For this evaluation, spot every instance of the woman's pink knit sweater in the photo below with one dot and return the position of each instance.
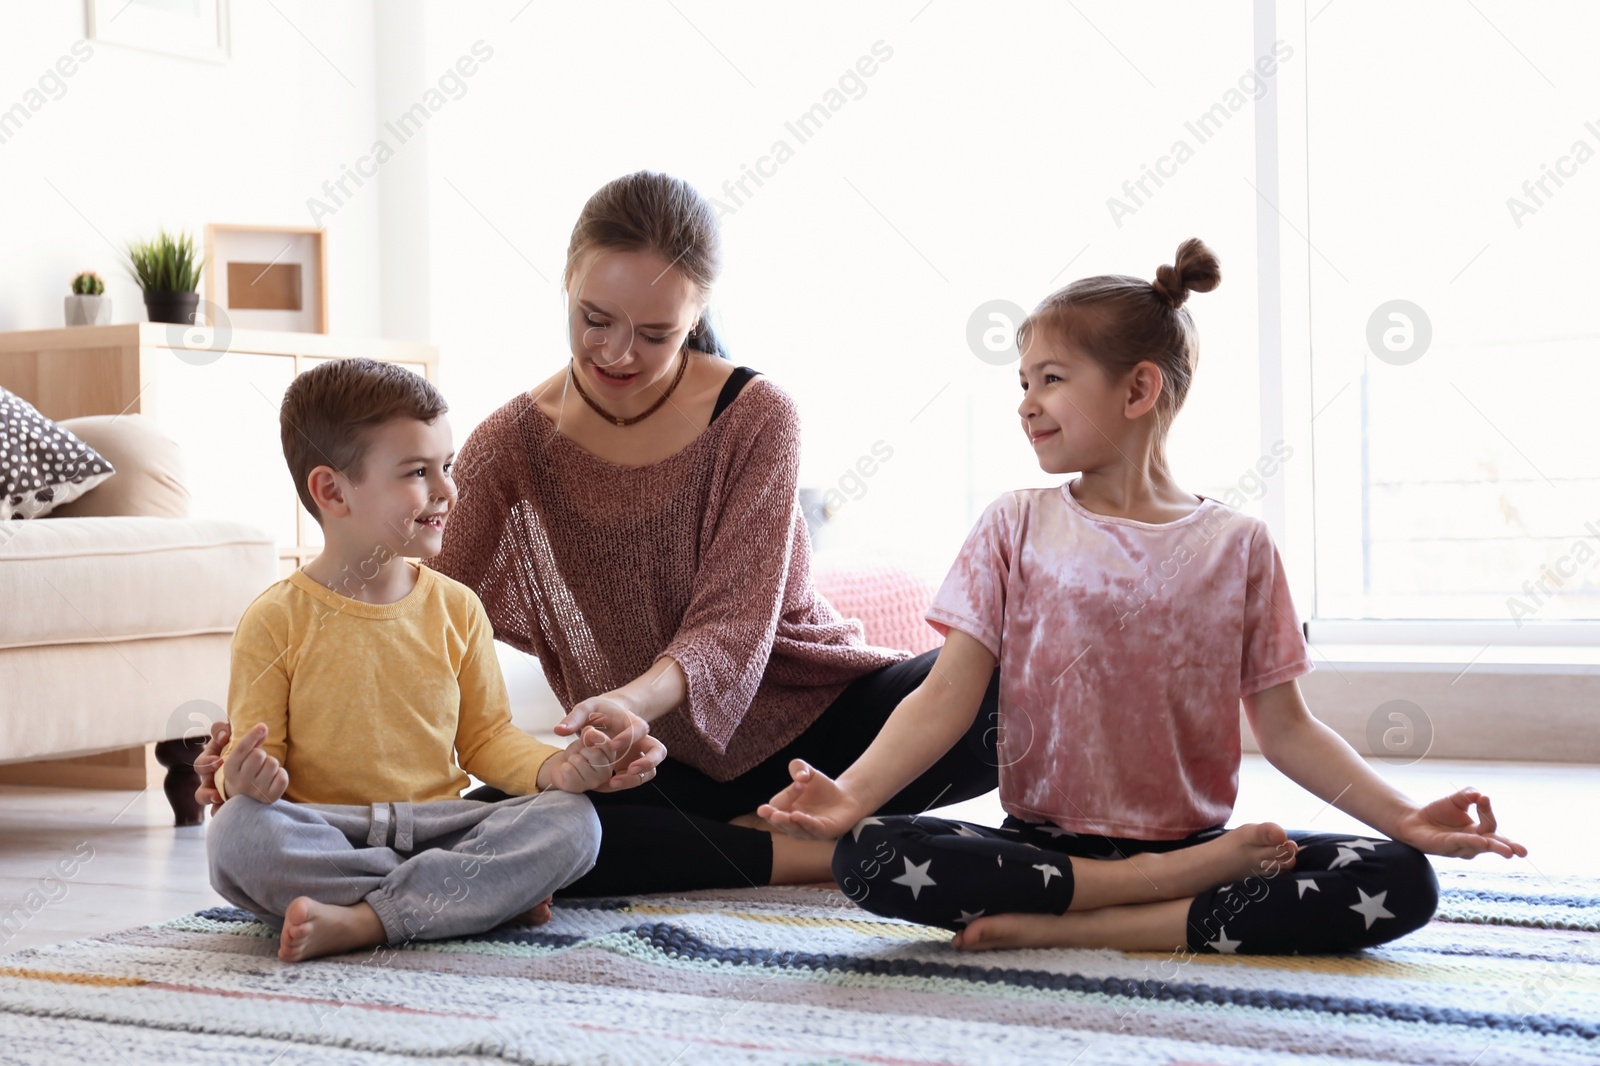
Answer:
(600, 569)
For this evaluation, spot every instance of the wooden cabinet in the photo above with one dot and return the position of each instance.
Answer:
(216, 395)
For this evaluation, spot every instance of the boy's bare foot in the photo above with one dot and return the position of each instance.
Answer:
(312, 929)
(538, 914)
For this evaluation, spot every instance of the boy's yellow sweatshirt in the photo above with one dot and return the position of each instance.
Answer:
(374, 703)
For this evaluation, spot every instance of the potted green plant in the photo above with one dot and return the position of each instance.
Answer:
(88, 305)
(168, 272)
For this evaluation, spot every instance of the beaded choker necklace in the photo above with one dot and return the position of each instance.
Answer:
(608, 416)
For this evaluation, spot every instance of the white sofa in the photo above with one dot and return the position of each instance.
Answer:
(115, 627)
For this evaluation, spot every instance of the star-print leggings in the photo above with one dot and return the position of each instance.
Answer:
(1342, 894)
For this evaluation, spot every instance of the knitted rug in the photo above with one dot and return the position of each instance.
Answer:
(1509, 972)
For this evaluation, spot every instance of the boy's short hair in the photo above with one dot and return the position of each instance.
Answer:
(329, 411)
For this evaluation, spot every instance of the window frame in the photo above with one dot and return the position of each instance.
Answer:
(1283, 231)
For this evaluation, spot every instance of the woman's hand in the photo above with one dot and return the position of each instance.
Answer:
(814, 807)
(633, 753)
(207, 763)
(1445, 827)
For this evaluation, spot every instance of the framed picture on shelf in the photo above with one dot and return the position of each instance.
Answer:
(192, 29)
(269, 277)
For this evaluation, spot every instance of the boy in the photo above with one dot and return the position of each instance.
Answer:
(358, 680)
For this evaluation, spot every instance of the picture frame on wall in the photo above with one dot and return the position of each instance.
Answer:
(268, 277)
(191, 29)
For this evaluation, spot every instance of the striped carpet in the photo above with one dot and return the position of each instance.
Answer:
(1508, 973)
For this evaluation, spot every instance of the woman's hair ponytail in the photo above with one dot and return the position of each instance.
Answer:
(705, 338)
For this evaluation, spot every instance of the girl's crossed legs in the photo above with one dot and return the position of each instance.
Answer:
(1246, 891)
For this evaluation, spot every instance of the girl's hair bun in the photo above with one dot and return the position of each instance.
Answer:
(1195, 269)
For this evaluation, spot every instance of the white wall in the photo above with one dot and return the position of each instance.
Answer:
(954, 173)
(138, 140)
(957, 172)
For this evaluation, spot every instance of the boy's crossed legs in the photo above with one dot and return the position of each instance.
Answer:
(334, 877)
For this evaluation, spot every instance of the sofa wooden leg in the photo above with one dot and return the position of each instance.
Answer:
(178, 757)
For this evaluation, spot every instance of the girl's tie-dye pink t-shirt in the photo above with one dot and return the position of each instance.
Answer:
(1124, 649)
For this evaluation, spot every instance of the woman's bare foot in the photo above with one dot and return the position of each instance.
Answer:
(1260, 849)
(1139, 927)
(794, 862)
(801, 862)
(312, 929)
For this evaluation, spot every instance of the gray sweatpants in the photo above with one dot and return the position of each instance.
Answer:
(429, 870)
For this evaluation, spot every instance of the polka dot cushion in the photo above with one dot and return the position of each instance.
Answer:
(42, 465)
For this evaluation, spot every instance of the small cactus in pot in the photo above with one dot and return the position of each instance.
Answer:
(88, 305)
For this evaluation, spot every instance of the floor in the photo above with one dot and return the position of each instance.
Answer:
(129, 866)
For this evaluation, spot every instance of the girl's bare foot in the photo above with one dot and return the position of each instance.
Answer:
(312, 929)
(1260, 849)
(1139, 927)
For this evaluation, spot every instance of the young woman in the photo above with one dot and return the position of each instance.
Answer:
(632, 521)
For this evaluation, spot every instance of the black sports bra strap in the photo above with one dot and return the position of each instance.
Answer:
(731, 389)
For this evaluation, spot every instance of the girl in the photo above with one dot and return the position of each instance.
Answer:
(1128, 618)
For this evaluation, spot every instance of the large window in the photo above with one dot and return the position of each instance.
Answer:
(1454, 205)
(1428, 358)
(883, 173)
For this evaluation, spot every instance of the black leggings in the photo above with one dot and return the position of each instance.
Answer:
(671, 834)
(1343, 893)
